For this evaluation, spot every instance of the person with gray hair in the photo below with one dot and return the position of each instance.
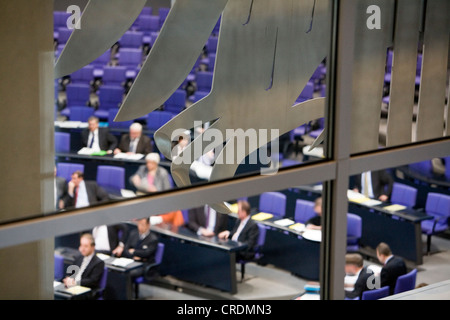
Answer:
(134, 141)
(151, 177)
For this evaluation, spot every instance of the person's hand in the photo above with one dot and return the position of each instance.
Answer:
(71, 187)
(207, 233)
(69, 282)
(383, 198)
(152, 188)
(224, 234)
(136, 180)
(117, 150)
(118, 251)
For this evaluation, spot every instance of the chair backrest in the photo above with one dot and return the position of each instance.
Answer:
(83, 75)
(162, 14)
(80, 113)
(159, 253)
(59, 267)
(60, 19)
(102, 60)
(375, 294)
(110, 96)
(304, 210)
(131, 39)
(403, 194)
(307, 92)
(261, 236)
(273, 202)
(406, 282)
(78, 94)
(114, 75)
(148, 23)
(102, 285)
(204, 80)
(354, 225)
(438, 205)
(111, 177)
(211, 45)
(421, 167)
(177, 101)
(65, 169)
(64, 34)
(62, 142)
(156, 119)
(130, 57)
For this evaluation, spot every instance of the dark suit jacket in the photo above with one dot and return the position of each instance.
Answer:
(93, 273)
(197, 219)
(144, 249)
(249, 235)
(116, 233)
(106, 140)
(360, 284)
(144, 145)
(393, 269)
(95, 194)
(382, 183)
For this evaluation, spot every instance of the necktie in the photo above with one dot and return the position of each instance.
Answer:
(82, 268)
(133, 146)
(92, 140)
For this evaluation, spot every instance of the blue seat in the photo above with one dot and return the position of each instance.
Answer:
(375, 294)
(211, 44)
(131, 58)
(114, 75)
(176, 102)
(59, 267)
(406, 282)
(258, 250)
(273, 202)
(131, 39)
(78, 94)
(102, 60)
(204, 80)
(447, 167)
(438, 206)
(162, 14)
(403, 194)
(304, 210)
(102, 285)
(354, 232)
(62, 142)
(65, 169)
(148, 24)
(109, 96)
(63, 35)
(423, 167)
(60, 19)
(211, 61)
(111, 178)
(157, 119)
(315, 133)
(80, 113)
(84, 75)
(151, 271)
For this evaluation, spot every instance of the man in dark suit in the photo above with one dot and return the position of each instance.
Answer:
(245, 230)
(110, 239)
(393, 267)
(60, 191)
(98, 138)
(83, 193)
(379, 184)
(91, 267)
(206, 221)
(354, 266)
(141, 245)
(134, 141)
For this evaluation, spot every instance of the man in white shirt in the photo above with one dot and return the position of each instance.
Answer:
(97, 138)
(84, 193)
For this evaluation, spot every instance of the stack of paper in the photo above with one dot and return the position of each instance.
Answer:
(313, 235)
(262, 216)
(395, 207)
(284, 222)
(77, 290)
(129, 156)
(300, 227)
(103, 256)
(122, 262)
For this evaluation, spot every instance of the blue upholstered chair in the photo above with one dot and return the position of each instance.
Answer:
(111, 178)
(151, 271)
(109, 96)
(62, 142)
(273, 202)
(114, 75)
(78, 94)
(102, 285)
(176, 102)
(354, 232)
(258, 250)
(157, 119)
(375, 294)
(65, 169)
(59, 267)
(406, 282)
(304, 210)
(403, 194)
(80, 113)
(131, 39)
(438, 206)
(112, 112)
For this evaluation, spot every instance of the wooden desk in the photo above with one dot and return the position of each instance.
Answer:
(206, 261)
(74, 293)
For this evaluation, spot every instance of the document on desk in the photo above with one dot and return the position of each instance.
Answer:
(122, 262)
(395, 207)
(284, 222)
(261, 216)
(127, 193)
(129, 156)
(356, 197)
(300, 227)
(372, 202)
(313, 235)
(103, 256)
(75, 290)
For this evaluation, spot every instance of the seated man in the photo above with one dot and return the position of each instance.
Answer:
(97, 138)
(354, 266)
(393, 267)
(134, 141)
(245, 230)
(91, 267)
(82, 193)
(205, 221)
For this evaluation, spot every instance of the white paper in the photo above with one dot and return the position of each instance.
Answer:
(129, 156)
(122, 262)
(284, 222)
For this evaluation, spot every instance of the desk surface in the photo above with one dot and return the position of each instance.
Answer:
(185, 234)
